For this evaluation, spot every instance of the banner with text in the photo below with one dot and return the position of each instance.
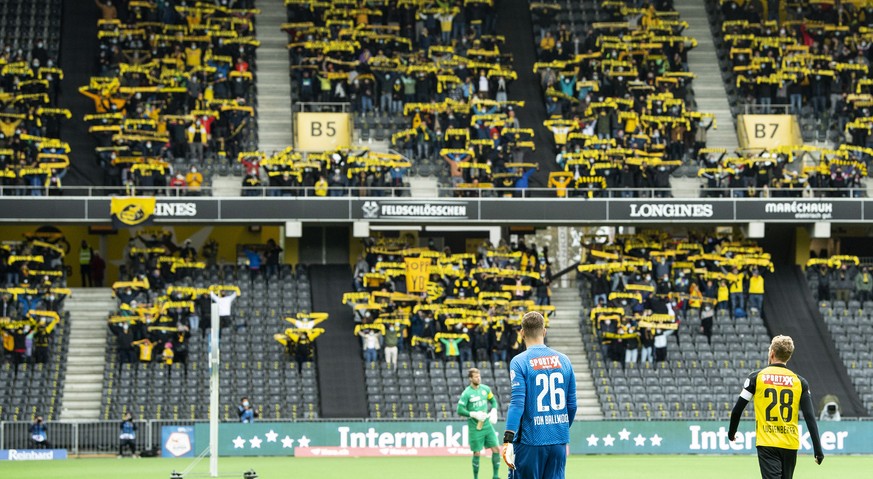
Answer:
(339, 439)
(32, 454)
(417, 274)
(355, 439)
(705, 437)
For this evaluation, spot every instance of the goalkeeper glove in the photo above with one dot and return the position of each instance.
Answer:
(492, 416)
(508, 452)
(479, 415)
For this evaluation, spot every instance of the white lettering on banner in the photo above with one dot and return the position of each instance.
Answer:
(425, 209)
(703, 440)
(385, 451)
(15, 455)
(670, 210)
(718, 440)
(176, 209)
(373, 438)
(802, 210)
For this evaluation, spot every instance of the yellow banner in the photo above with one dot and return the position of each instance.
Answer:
(132, 211)
(417, 274)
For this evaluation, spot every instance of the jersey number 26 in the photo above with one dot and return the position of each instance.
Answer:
(551, 387)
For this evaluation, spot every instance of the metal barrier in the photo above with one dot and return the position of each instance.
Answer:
(442, 192)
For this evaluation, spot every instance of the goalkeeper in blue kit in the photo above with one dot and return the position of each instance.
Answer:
(542, 407)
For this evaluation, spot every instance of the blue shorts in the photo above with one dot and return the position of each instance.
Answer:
(539, 462)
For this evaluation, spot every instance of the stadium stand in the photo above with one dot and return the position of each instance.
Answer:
(638, 291)
(171, 306)
(807, 65)
(34, 328)
(31, 24)
(33, 159)
(173, 98)
(619, 95)
(345, 172)
(432, 79)
(842, 286)
(470, 317)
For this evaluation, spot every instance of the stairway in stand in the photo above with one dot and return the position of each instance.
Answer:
(563, 335)
(709, 90)
(83, 390)
(273, 80)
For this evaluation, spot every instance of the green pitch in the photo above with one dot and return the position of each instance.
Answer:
(583, 467)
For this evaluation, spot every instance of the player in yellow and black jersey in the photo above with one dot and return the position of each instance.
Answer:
(778, 394)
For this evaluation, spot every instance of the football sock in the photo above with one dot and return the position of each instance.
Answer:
(475, 467)
(495, 461)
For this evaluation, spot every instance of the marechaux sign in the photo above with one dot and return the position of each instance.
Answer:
(331, 439)
(32, 454)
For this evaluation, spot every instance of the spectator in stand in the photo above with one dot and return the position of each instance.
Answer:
(178, 183)
(167, 355)
(225, 303)
(272, 258)
(42, 334)
(499, 342)
(194, 181)
(843, 286)
(736, 280)
(756, 291)
(98, 269)
(253, 259)
(647, 343)
(660, 343)
(146, 349)
(599, 287)
(864, 285)
(392, 340)
(707, 316)
(107, 9)
(824, 283)
(372, 342)
(85, 263)
(8, 307)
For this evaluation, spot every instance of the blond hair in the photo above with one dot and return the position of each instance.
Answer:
(533, 324)
(471, 372)
(782, 348)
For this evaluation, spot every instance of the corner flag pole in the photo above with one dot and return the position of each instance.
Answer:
(214, 363)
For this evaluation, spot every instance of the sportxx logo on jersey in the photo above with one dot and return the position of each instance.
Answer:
(778, 380)
(545, 362)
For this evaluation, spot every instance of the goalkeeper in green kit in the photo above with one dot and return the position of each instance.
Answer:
(479, 404)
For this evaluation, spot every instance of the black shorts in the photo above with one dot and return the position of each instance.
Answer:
(776, 463)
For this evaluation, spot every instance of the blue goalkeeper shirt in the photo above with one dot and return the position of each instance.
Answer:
(543, 401)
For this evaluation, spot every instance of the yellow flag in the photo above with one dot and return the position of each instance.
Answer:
(132, 211)
(417, 274)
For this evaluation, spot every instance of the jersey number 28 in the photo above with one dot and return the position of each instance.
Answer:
(785, 400)
(551, 387)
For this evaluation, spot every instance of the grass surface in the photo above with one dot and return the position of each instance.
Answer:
(587, 467)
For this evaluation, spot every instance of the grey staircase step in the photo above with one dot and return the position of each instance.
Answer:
(85, 388)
